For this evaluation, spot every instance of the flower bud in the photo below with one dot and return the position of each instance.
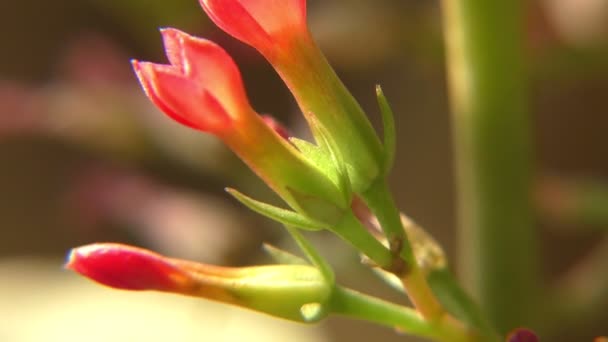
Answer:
(202, 88)
(286, 291)
(277, 29)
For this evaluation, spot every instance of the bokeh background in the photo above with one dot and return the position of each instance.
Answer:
(84, 157)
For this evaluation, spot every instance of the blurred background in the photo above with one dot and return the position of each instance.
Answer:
(84, 157)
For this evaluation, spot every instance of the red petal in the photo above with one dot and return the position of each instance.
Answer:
(232, 17)
(214, 69)
(180, 97)
(270, 26)
(173, 43)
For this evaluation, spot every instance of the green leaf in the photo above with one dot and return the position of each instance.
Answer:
(283, 257)
(284, 216)
(390, 136)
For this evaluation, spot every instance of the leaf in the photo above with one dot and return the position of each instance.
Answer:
(284, 216)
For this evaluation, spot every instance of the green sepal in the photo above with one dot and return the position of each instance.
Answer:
(313, 255)
(284, 216)
(317, 156)
(326, 141)
(316, 210)
(281, 256)
(286, 258)
(295, 292)
(313, 312)
(390, 136)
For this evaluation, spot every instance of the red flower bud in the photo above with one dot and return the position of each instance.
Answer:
(127, 267)
(279, 290)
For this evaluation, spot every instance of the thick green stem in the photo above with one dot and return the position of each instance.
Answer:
(492, 151)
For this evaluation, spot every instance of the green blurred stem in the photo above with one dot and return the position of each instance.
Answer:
(360, 306)
(492, 151)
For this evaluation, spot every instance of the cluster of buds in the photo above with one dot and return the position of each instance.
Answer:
(201, 87)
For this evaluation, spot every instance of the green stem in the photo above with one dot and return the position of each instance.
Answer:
(353, 232)
(380, 201)
(360, 306)
(492, 150)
